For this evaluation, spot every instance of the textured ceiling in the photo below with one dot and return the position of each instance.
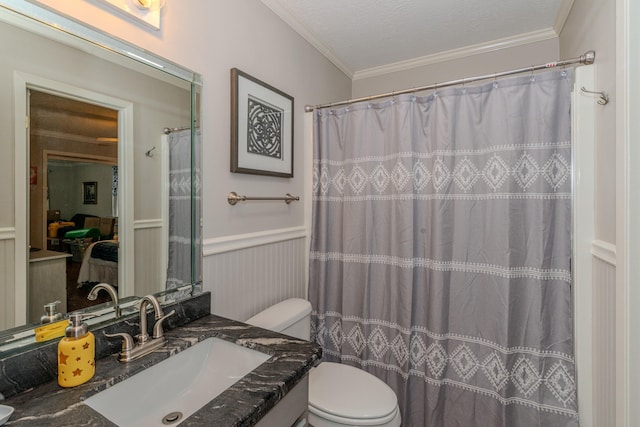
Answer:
(361, 35)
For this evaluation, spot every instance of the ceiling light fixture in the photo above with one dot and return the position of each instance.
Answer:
(149, 4)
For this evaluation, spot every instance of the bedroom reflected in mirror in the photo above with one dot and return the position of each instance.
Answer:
(78, 143)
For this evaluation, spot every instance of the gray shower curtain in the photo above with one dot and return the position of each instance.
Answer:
(441, 246)
(183, 267)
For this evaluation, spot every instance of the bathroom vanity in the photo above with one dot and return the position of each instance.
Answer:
(273, 394)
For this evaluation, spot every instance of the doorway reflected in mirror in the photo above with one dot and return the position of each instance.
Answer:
(75, 142)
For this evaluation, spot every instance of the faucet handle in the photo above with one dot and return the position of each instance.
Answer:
(127, 341)
(158, 332)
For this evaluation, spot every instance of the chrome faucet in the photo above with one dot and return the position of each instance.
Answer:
(112, 293)
(159, 315)
(145, 345)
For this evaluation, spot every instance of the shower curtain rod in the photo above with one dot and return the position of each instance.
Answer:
(586, 59)
(167, 131)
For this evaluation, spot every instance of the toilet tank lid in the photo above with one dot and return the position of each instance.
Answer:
(281, 315)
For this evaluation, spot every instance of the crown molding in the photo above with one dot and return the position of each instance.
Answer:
(449, 55)
(289, 18)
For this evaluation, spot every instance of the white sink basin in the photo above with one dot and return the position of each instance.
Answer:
(179, 385)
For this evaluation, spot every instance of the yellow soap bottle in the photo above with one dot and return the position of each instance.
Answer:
(76, 353)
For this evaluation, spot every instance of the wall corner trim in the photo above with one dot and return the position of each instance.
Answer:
(604, 251)
(236, 242)
(562, 16)
(290, 19)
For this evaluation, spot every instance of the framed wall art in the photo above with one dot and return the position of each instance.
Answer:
(90, 193)
(261, 127)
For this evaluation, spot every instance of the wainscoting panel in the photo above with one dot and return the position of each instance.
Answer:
(604, 337)
(150, 275)
(244, 281)
(7, 284)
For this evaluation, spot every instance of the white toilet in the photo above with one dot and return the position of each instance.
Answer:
(339, 395)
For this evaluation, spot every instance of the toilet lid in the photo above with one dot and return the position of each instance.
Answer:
(345, 392)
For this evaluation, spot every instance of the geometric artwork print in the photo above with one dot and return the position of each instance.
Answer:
(264, 128)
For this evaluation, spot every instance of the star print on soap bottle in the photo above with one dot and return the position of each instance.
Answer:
(76, 353)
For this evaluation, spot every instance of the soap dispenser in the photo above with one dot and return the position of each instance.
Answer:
(76, 353)
(51, 314)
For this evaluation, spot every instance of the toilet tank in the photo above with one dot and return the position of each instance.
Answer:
(290, 317)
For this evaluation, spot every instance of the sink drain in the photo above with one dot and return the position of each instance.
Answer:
(172, 418)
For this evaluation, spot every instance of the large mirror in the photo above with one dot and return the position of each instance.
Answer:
(99, 181)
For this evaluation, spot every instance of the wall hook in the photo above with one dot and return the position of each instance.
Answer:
(148, 153)
(604, 98)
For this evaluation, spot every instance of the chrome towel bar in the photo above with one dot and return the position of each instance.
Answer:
(234, 198)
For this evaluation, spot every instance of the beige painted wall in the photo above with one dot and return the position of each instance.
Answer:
(592, 25)
(472, 65)
(211, 37)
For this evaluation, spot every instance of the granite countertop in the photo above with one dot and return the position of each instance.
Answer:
(242, 404)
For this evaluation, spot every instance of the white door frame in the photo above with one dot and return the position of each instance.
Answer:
(583, 148)
(627, 104)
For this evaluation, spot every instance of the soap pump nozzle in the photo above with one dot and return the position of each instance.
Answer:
(51, 315)
(77, 328)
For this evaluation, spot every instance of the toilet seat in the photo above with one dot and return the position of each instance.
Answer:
(350, 396)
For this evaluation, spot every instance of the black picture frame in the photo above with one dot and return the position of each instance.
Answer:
(261, 127)
(90, 193)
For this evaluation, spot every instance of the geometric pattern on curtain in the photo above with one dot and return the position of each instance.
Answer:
(441, 250)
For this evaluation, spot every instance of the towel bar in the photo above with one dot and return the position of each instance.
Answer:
(234, 198)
